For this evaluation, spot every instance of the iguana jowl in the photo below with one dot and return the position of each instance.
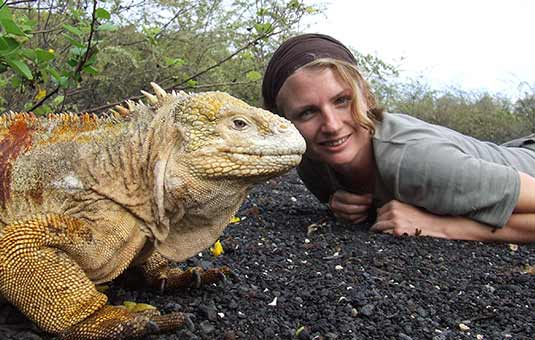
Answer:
(82, 198)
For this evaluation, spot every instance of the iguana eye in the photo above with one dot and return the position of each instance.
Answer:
(239, 124)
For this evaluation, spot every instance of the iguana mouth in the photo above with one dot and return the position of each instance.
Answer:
(263, 153)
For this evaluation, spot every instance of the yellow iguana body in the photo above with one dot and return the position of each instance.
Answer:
(82, 198)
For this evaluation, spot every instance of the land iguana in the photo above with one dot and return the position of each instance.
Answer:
(82, 198)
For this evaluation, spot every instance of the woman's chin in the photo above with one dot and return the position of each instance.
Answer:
(339, 159)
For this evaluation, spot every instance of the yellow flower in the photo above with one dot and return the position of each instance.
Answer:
(41, 93)
(235, 219)
(50, 50)
(217, 249)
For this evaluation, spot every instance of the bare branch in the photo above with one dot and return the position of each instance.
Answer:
(203, 86)
(16, 3)
(179, 86)
(45, 98)
(251, 43)
(82, 61)
(88, 51)
(231, 83)
(55, 29)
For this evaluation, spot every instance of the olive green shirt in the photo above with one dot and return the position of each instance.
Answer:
(438, 169)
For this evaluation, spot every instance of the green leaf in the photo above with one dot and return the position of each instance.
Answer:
(263, 28)
(27, 25)
(107, 28)
(28, 53)
(8, 45)
(294, 4)
(191, 83)
(11, 27)
(63, 82)
(19, 66)
(174, 61)
(16, 81)
(77, 51)
(58, 100)
(72, 62)
(73, 30)
(5, 13)
(43, 110)
(45, 75)
(43, 55)
(254, 75)
(261, 12)
(90, 69)
(247, 55)
(311, 10)
(74, 42)
(92, 60)
(101, 13)
(55, 74)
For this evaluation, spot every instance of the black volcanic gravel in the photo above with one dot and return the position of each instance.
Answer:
(342, 282)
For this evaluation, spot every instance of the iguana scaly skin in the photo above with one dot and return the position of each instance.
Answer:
(82, 198)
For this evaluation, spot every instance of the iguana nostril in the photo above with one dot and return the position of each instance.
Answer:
(283, 127)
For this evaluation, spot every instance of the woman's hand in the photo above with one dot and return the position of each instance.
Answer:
(404, 219)
(350, 207)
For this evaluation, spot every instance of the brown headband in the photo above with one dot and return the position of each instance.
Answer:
(294, 53)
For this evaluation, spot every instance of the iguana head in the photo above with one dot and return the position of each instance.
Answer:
(226, 138)
(223, 146)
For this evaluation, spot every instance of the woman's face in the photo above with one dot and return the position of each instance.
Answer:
(318, 103)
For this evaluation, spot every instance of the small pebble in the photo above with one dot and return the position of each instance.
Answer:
(206, 327)
(403, 336)
(367, 309)
(463, 327)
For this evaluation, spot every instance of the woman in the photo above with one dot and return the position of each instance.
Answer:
(425, 179)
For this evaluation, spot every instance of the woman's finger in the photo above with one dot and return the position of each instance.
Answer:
(382, 226)
(351, 198)
(354, 218)
(348, 209)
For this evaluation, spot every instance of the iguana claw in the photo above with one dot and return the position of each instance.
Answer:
(196, 278)
(163, 282)
(111, 322)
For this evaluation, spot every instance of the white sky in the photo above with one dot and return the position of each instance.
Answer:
(472, 44)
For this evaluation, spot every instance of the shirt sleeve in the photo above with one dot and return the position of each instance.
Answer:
(439, 177)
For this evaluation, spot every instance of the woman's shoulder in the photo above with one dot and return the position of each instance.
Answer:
(400, 128)
(403, 128)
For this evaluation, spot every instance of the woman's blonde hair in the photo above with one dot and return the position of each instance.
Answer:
(364, 106)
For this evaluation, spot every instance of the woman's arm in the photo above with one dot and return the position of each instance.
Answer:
(400, 218)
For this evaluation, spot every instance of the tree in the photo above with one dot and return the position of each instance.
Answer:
(43, 51)
(90, 55)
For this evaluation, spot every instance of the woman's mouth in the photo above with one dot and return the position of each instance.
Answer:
(335, 142)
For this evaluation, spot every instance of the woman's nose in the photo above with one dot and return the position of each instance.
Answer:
(331, 121)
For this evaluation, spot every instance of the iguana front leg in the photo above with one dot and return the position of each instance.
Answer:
(40, 273)
(160, 275)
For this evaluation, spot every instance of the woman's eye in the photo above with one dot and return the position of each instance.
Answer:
(343, 100)
(305, 114)
(239, 124)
